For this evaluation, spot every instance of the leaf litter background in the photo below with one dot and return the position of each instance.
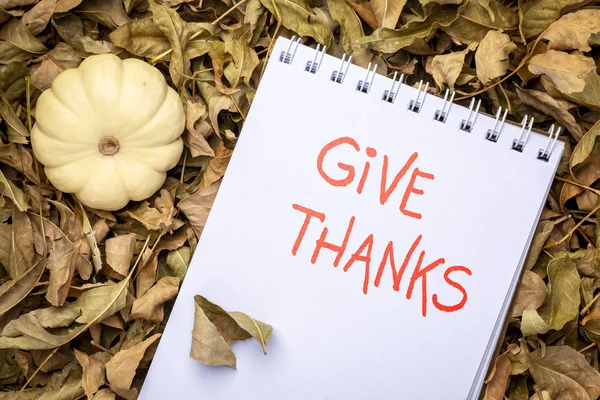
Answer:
(85, 294)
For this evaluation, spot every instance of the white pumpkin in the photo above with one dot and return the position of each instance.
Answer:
(108, 131)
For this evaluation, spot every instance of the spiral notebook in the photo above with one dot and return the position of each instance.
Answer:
(379, 229)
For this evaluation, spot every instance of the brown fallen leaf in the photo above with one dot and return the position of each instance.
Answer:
(531, 293)
(208, 346)
(121, 369)
(573, 31)
(93, 372)
(214, 328)
(564, 373)
(498, 378)
(197, 206)
(150, 305)
(119, 252)
(555, 108)
(491, 57)
(567, 71)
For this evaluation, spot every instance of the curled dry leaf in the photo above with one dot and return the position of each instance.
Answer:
(208, 346)
(214, 328)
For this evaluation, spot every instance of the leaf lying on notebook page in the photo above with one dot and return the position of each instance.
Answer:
(564, 373)
(214, 328)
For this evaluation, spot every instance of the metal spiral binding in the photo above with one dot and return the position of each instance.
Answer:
(338, 76)
(519, 144)
(416, 104)
(287, 56)
(545, 153)
(466, 124)
(364, 85)
(390, 95)
(493, 134)
(313, 66)
(441, 115)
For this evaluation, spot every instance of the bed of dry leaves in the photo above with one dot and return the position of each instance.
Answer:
(84, 294)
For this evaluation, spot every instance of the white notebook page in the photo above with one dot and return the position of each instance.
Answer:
(331, 340)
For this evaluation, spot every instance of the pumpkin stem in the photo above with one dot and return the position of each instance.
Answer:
(109, 146)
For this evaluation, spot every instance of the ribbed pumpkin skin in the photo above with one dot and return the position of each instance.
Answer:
(108, 131)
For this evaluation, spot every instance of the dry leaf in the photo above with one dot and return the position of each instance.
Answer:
(390, 40)
(446, 68)
(567, 71)
(491, 57)
(27, 332)
(498, 379)
(214, 328)
(387, 12)
(548, 105)
(585, 146)
(208, 346)
(478, 18)
(150, 305)
(121, 369)
(216, 166)
(178, 33)
(17, 35)
(38, 16)
(573, 31)
(140, 37)
(530, 294)
(564, 373)
(297, 16)
(93, 372)
(197, 206)
(119, 252)
(537, 15)
(60, 58)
